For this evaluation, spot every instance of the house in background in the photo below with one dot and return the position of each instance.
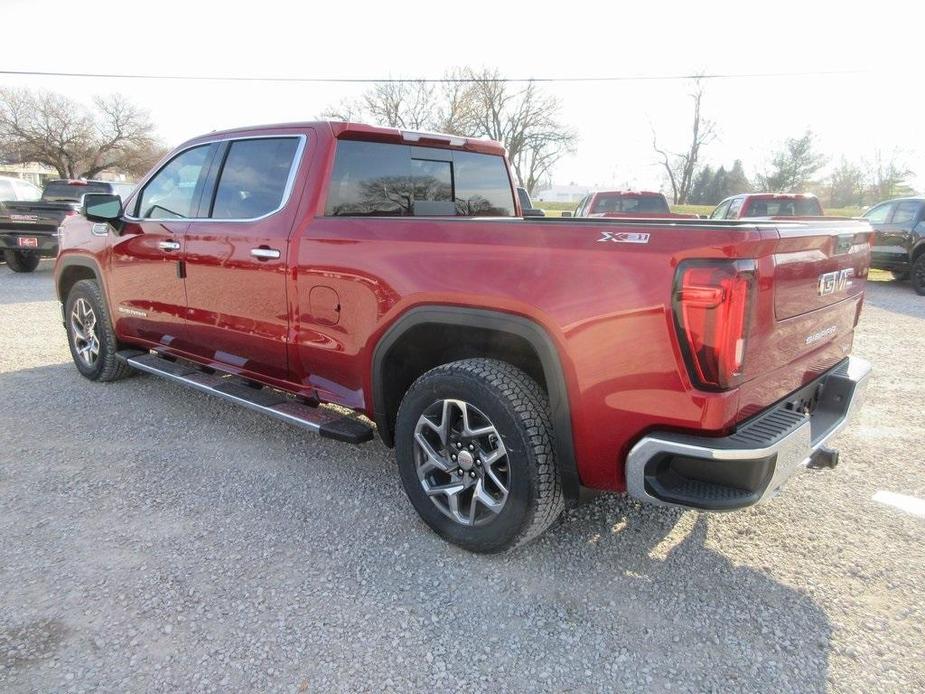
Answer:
(569, 193)
(39, 175)
(36, 174)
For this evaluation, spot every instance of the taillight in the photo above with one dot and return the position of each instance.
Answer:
(711, 307)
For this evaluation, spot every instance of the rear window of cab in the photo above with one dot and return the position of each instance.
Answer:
(381, 179)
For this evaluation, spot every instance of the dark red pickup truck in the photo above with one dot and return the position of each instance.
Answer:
(511, 362)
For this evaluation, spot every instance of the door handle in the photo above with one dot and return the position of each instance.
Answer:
(264, 253)
(168, 245)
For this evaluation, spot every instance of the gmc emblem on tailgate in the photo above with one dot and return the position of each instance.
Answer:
(837, 281)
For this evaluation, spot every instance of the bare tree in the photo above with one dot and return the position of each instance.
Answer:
(793, 166)
(50, 129)
(524, 119)
(680, 167)
(887, 176)
(846, 185)
(474, 104)
(408, 105)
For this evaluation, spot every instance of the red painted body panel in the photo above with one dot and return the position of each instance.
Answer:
(310, 322)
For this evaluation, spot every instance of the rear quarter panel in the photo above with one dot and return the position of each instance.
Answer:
(605, 305)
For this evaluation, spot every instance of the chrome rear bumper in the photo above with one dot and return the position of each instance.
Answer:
(752, 464)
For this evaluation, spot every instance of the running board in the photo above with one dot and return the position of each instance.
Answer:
(320, 420)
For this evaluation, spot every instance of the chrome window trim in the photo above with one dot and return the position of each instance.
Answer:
(287, 191)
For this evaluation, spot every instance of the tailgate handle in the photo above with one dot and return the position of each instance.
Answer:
(168, 245)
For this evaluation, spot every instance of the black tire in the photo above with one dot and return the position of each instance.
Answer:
(918, 275)
(899, 276)
(518, 409)
(106, 366)
(18, 261)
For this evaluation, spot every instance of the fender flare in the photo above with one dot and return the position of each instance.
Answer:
(522, 327)
(75, 260)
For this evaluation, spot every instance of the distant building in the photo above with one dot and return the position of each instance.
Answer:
(569, 193)
(39, 175)
(36, 174)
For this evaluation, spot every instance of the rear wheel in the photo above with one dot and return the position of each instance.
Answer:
(90, 335)
(899, 276)
(918, 275)
(475, 454)
(20, 261)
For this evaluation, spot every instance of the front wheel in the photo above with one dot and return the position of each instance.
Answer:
(90, 334)
(19, 261)
(918, 275)
(475, 453)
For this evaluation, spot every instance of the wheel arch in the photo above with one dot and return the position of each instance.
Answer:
(73, 268)
(516, 330)
(917, 250)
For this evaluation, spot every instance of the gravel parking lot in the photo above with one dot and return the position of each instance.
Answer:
(156, 539)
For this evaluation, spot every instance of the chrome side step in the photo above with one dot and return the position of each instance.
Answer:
(320, 420)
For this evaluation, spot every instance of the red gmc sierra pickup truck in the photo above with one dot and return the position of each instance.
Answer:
(308, 270)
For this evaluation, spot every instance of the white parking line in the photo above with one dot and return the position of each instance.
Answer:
(909, 504)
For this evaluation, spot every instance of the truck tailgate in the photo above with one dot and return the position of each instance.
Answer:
(33, 217)
(805, 318)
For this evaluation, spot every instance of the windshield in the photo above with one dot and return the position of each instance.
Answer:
(65, 191)
(642, 204)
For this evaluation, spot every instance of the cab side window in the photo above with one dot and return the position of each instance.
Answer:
(173, 192)
(734, 208)
(720, 212)
(580, 210)
(879, 214)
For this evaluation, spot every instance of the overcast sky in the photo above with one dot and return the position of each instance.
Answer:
(880, 105)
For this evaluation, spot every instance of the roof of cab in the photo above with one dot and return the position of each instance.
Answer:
(358, 131)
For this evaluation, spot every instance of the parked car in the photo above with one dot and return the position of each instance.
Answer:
(17, 189)
(509, 361)
(899, 241)
(29, 228)
(627, 203)
(768, 206)
(526, 204)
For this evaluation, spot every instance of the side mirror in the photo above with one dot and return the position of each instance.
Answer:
(102, 207)
(566, 214)
(534, 212)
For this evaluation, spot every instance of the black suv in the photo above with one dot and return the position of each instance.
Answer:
(899, 244)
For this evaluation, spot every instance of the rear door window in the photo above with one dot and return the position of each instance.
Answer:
(905, 212)
(379, 179)
(254, 178)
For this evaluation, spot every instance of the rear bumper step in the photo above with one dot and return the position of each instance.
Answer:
(749, 466)
(320, 420)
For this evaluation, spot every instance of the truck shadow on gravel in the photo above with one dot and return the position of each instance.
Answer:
(645, 582)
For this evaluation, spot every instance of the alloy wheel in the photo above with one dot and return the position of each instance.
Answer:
(83, 332)
(461, 462)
